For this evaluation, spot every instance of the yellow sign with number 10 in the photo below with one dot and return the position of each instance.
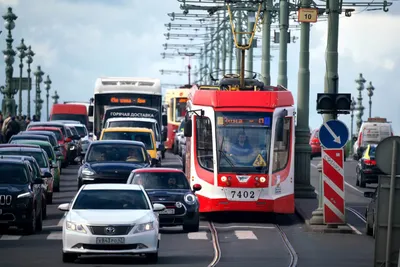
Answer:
(309, 15)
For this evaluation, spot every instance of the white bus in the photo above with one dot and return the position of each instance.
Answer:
(125, 91)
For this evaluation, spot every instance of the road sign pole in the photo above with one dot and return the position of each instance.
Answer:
(333, 186)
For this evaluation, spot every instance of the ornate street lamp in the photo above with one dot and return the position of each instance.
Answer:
(360, 108)
(8, 104)
(47, 82)
(370, 90)
(55, 97)
(21, 54)
(38, 101)
(30, 54)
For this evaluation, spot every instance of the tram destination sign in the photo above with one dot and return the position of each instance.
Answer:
(254, 121)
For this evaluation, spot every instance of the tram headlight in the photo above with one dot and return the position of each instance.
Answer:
(262, 179)
(224, 179)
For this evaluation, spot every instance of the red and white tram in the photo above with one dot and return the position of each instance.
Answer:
(240, 147)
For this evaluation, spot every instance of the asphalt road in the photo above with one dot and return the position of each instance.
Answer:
(354, 195)
(231, 240)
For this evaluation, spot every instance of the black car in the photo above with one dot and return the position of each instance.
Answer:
(367, 171)
(20, 196)
(171, 188)
(112, 161)
(29, 137)
(37, 173)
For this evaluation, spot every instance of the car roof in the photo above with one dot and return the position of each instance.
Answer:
(128, 129)
(43, 123)
(21, 157)
(67, 122)
(16, 161)
(22, 148)
(141, 170)
(19, 146)
(41, 127)
(75, 124)
(27, 135)
(48, 133)
(121, 142)
(39, 142)
(112, 187)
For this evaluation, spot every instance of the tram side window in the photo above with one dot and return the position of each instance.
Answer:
(282, 148)
(171, 109)
(204, 143)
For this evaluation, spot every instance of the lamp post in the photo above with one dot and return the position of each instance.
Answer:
(8, 104)
(360, 108)
(55, 97)
(352, 108)
(38, 101)
(21, 54)
(47, 82)
(30, 54)
(370, 89)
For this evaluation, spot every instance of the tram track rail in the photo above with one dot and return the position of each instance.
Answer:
(218, 253)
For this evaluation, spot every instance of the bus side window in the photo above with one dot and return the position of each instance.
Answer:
(204, 142)
(282, 149)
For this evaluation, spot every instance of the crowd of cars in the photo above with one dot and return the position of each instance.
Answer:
(124, 196)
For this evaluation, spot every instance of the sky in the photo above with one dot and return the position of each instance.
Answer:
(77, 41)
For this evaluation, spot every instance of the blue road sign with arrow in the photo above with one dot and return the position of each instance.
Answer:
(333, 134)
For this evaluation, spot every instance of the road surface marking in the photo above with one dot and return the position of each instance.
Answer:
(358, 214)
(198, 235)
(54, 236)
(354, 229)
(60, 223)
(10, 237)
(245, 235)
(349, 185)
(245, 226)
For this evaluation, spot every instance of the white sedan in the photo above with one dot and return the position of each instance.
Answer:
(110, 219)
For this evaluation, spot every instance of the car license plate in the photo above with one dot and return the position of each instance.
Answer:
(110, 240)
(168, 211)
(242, 194)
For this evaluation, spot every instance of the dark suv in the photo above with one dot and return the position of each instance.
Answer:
(20, 196)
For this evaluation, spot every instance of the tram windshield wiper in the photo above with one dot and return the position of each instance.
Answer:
(221, 152)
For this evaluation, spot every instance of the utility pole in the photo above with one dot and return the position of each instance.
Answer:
(283, 42)
(266, 44)
(303, 187)
(250, 25)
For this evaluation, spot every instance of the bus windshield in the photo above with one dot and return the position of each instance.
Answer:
(180, 109)
(104, 101)
(243, 141)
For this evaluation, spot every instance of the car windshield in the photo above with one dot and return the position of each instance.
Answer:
(13, 174)
(243, 141)
(29, 137)
(81, 131)
(139, 124)
(49, 151)
(74, 131)
(180, 109)
(145, 138)
(116, 152)
(161, 180)
(104, 199)
(39, 156)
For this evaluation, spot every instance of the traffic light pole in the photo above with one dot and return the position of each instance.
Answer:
(332, 75)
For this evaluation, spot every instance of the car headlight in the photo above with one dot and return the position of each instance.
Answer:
(190, 199)
(72, 148)
(144, 227)
(87, 171)
(75, 227)
(25, 195)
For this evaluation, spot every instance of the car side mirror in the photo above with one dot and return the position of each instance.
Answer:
(369, 194)
(38, 181)
(64, 207)
(47, 175)
(158, 207)
(196, 187)
(154, 162)
(68, 139)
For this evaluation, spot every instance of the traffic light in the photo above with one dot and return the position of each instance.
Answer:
(333, 103)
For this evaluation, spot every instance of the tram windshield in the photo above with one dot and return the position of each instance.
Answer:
(243, 141)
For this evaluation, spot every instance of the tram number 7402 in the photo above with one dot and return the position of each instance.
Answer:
(242, 194)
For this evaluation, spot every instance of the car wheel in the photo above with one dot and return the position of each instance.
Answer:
(152, 257)
(30, 228)
(39, 222)
(49, 198)
(69, 257)
(191, 227)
